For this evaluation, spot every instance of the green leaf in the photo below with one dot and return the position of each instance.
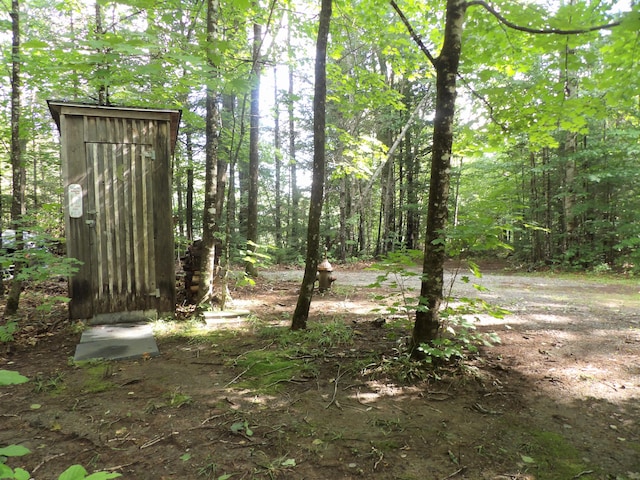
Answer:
(237, 427)
(9, 377)
(14, 451)
(102, 476)
(289, 462)
(74, 472)
(5, 471)
(185, 457)
(78, 472)
(35, 43)
(21, 474)
(475, 269)
(631, 21)
(527, 459)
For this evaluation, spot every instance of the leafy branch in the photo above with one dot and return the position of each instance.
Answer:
(539, 31)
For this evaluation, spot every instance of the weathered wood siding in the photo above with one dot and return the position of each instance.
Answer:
(124, 237)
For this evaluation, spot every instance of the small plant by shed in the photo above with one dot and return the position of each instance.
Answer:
(116, 168)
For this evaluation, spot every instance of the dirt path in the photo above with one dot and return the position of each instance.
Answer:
(559, 398)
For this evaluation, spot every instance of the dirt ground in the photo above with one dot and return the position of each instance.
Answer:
(559, 398)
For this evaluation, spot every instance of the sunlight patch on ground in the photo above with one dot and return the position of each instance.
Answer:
(545, 318)
(356, 308)
(379, 390)
(609, 383)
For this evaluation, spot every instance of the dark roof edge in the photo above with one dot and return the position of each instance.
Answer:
(55, 107)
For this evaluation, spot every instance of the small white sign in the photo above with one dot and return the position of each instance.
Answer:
(74, 192)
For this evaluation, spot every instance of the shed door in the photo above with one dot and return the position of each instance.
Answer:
(121, 221)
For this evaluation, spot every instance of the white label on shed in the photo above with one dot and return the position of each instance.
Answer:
(74, 191)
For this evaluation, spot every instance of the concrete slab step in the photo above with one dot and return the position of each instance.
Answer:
(116, 342)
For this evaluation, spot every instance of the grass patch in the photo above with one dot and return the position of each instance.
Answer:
(343, 290)
(173, 399)
(316, 339)
(193, 331)
(177, 399)
(551, 456)
(98, 376)
(266, 370)
(52, 384)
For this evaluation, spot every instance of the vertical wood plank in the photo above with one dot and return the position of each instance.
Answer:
(135, 218)
(165, 268)
(128, 215)
(77, 232)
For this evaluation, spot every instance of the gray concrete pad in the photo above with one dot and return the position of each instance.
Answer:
(116, 342)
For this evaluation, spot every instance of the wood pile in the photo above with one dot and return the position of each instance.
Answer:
(191, 266)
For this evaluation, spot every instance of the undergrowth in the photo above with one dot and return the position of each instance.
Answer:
(289, 356)
(459, 338)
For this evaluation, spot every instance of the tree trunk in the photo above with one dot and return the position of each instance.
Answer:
(301, 313)
(179, 217)
(278, 165)
(570, 147)
(345, 203)
(413, 218)
(549, 195)
(254, 156)
(17, 166)
(294, 231)
(233, 151)
(388, 197)
(427, 324)
(102, 67)
(212, 131)
(189, 199)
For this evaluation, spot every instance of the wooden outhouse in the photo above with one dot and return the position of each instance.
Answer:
(116, 168)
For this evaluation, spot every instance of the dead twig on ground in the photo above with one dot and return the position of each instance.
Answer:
(157, 439)
(235, 379)
(47, 459)
(457, 472)
(208, 419)
(286, 380)
(335, 387)
(586, 472)
(380, 457)
(119, 467)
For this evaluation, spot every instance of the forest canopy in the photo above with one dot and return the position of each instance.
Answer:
(546, 135)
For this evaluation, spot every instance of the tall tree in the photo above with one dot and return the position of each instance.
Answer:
(17, 165)
(301, 313)
(427, 322)
(212, 129)
(102, 71)
(254, 154)
(294, 191)
(277, 147)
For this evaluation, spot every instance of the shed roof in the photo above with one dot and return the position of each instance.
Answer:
(56, 107)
